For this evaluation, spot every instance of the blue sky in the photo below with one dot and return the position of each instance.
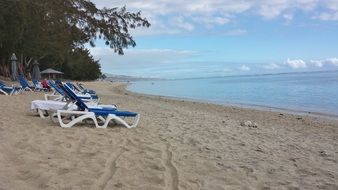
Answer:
(205, 38)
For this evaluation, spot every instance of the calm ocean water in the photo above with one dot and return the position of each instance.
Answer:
(306, 92)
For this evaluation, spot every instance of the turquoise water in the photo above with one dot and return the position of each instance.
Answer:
(306, 92)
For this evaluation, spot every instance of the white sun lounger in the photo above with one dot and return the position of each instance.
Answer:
(85, 112)
(45, 106)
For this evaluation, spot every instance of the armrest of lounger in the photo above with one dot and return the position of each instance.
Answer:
(53, 97)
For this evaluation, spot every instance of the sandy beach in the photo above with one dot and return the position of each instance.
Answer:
(178, 144)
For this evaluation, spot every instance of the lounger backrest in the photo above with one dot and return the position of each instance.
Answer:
(2, 84)
(35, 82)
(78, 100)
(56, 87)
(70, 94)
(72, 86)
(23, 81)
(59, 85)
(80, 86)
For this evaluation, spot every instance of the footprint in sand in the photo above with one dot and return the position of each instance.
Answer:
(110, 166)
(171, 177)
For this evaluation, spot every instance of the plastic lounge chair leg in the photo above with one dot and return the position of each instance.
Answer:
(18, 91)
(5, 93)
(42, 115)
(136, 120)
(28, 89)
(101, 119)
(53, 116)
(12, 92)
(121, 121)
(105, 120)
(83, 115)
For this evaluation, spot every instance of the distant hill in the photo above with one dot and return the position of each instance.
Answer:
(125, 78)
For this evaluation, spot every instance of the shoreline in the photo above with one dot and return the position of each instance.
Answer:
(243, 106)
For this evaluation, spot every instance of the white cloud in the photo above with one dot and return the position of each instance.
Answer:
(328, 16)
(139, 58)
(209, 21)
(244, 68)
(271, 66)
(296, 63)
(181, 23)
(288, 18)
(332, 61)
(269, 11)
(317, 63)
(235, 32)
(164, 53)
(193, 15)
(331, 14)
(329, 61)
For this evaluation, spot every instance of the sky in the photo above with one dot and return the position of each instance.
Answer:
(210, 38)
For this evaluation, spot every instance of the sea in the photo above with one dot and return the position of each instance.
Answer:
(312, 92)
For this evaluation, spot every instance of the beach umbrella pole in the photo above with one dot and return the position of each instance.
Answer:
(14, 67)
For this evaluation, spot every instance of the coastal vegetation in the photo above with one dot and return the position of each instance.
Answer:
(58, 33)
